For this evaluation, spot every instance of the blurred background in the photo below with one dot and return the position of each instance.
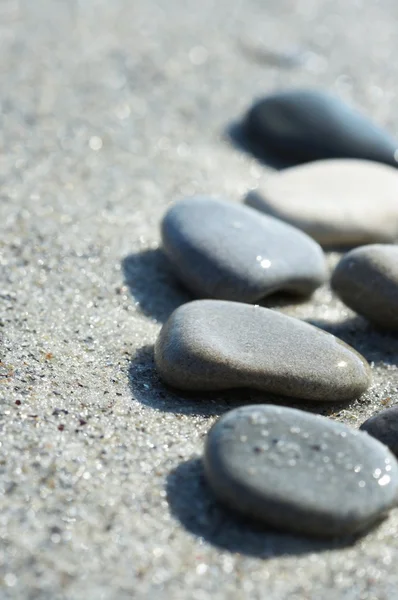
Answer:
(92, 87)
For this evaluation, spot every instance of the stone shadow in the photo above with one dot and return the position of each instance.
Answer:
(374, 344)
(235, 133)
(283, 299)
(194, 505)
(147, 388)
(152, 284)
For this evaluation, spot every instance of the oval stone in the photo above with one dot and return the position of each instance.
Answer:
(299, 472)
(229, 251)
(337, 202)
(366, 279)
(310, 124)
(384, 427)
(216, 345)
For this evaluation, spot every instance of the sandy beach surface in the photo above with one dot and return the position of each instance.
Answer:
(110, 111)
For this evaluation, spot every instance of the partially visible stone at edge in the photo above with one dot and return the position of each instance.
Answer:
(307, 124)
(337, 202)
(384, 427)
(300, 472)
(366, 280)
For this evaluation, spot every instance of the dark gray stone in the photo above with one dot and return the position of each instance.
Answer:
(310, 124)
(300, 472)
(229, 251)
(384, 427)
(366, 279)
(215, 345)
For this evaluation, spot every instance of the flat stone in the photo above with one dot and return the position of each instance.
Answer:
(366, 279)
(229, 251)
(300, 472)
(215, 345)
(337, 202)
(310, 124)
(384, 427)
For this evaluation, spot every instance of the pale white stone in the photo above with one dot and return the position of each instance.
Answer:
(337, 202)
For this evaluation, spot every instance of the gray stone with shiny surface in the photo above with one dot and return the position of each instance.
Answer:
(300, 472)
(229, 251)
(366, 279)
(214, 345)
(384, 427)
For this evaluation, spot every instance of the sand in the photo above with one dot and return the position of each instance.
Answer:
(110, 111)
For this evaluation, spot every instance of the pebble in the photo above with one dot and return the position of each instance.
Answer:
(310, 124)
(366, 280)
(229, 251)
(300, 472)
(216, 345)
(344, 202)
(384, 427)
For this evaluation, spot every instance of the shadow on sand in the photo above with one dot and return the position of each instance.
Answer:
(148, 389)
(193, 503)
(235, 134)
(374, 344)
(152, 283)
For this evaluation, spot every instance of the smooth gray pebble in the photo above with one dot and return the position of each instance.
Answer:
(366, 280)
(384, 427)
(229, 251)
(300, 472)
(215, 345)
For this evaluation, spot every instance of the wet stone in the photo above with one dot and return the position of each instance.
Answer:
(300, 472)
(384, 427)
(310, 124)
(337, 202)
(366, 280)
(229, 251)
(216, 345)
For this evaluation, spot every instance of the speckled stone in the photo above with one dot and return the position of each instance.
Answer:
(337, 202)
(384, 427)
(300, 472)
(366, 279)
(214, 345)
(310, 125)
(228, 251)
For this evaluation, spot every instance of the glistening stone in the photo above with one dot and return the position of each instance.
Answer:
(300, 472)
(229, 251)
